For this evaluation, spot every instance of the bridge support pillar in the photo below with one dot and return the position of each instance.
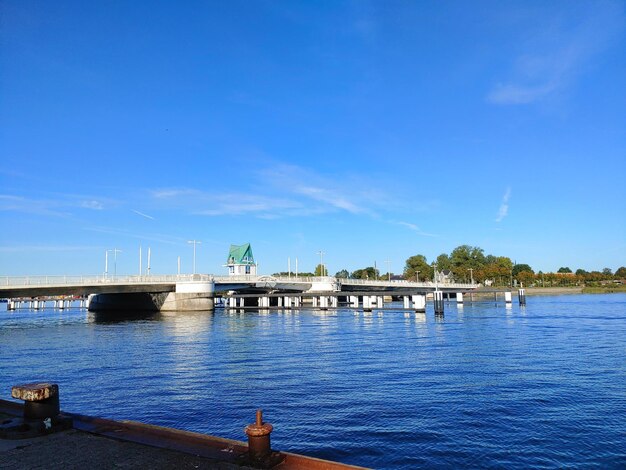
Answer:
(354, 301)
(288, 302)
(232, 302)
(323, 302)
(380, 301)
(419, 303)
(334, 301)
(367, 303)
(297, 301)
(459, 297)
(438, 302)
(190, 296)
(405, 302)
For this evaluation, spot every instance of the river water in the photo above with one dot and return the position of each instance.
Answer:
(482, 386)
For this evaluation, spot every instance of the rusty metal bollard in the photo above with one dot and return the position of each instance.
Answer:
(41, 400)
(259, 447)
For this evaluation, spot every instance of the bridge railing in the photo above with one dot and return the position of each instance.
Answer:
(405, 283)
(24, 281)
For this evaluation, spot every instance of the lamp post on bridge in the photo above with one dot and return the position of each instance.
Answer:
(115, 252)
(194, 243)
(322, 270)
(106, 263)
(471, 270)
(417, 276)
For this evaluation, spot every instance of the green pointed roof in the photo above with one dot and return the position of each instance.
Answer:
(240, 254)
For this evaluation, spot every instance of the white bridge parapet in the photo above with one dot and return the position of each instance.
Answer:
(46, 281)
(317, 284)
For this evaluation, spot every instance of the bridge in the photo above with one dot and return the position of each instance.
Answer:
(199, 291)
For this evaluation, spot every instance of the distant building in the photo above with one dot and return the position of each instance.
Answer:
(240, 260)
(444, 277)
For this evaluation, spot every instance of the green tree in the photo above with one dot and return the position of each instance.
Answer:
(443, 262)
(564, 270)
(343, 274)
(465, 257)
(417, 267)
(365, 273)
(520, 268)
(321, 270)
(581, 272)
(607, 272)
(621, 272)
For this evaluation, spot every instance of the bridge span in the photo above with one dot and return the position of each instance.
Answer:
(198, 291)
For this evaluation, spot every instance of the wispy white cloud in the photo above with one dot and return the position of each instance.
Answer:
(43, 248)
(11, 203)
(560, 46)
(504, 206)
(142, 214)
(414, 228)
(156, 237)
(92, 204)
(285, 190)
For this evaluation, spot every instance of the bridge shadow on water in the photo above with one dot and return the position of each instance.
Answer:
(122, 316)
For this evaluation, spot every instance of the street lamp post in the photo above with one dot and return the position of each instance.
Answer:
(417, 276)
(322, 269)
(471, 270)
(194, 243)
(106, 263)
(115, 252)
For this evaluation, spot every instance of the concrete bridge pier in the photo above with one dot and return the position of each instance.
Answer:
(354, 301)
(507, 297)
(190, 296)
(459, 298)
(419, 303)
(187, 297)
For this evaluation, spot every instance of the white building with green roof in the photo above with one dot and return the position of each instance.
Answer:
(240, 260)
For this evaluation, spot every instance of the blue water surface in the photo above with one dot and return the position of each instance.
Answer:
(483, 386)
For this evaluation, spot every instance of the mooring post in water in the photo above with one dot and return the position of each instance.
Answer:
(438, 302)
(521, 295)
(258, 434)
(507, 297)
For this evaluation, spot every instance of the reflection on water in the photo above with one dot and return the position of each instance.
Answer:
(484, 385)
(121, 316)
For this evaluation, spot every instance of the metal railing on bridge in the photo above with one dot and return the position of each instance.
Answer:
(42, 281)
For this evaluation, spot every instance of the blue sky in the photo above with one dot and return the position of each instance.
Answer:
(370, 130)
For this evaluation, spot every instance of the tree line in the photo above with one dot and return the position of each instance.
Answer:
(470, 264)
